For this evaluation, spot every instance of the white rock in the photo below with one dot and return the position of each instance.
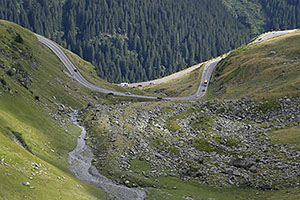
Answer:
(26, 183)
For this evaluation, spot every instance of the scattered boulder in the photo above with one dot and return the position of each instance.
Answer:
(226, 151)
(236, 173)
(26, 183)
(241, 163)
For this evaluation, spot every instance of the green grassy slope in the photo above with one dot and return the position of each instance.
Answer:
(269, 69)
(32, 89)
(184, 85)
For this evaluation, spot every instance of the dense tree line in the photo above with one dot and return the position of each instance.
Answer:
(281, 14)
(136, 40)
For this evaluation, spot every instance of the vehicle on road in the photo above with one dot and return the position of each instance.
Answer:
(205, 82)
(110, 93)
(159, 97)
(127, 93)
(203, 90)
(124, 84)
(140, 85)
(75, 70)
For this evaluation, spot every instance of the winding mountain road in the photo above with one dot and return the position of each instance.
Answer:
(269, 35)
(209, 67)
(206, 75)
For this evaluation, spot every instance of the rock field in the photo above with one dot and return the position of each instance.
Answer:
(217, 143)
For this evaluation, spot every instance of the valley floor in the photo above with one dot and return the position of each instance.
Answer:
(218, 144)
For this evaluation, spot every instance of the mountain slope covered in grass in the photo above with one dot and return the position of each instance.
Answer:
(35, 131)
(268, 69)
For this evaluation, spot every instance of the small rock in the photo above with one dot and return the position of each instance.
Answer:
(253, 169)
(230, 182)
(172, 174)
(228, 171)
(188, 198)
(26, 183)
(236, 173)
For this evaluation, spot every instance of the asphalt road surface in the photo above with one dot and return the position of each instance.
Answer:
(206, 75)
(272, 34)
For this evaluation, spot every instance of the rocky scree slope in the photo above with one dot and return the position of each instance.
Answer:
(216, 143)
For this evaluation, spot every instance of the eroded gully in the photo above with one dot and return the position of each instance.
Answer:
(80, 160)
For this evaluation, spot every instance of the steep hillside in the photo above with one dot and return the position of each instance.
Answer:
(133, 40)
(35, 131)
(248, 12)
(269, 69)
(265, 15)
